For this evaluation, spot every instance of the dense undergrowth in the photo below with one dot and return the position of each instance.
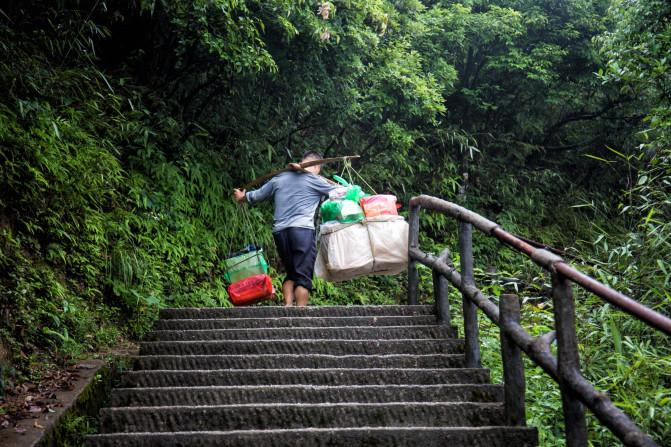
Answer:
(124, 126)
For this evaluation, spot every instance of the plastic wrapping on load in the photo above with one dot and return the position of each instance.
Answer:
(379, 205)
(350, 211)
(330, 210)
(245, 265)
(343, 204)
(377, 246)
(340, 180)
(338, 193)
(354, 193)
(250, 290)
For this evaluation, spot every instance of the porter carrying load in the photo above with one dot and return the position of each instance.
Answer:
(296, 192)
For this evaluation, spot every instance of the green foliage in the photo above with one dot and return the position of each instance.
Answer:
(638, 58)
(74, 429)
(94, 216)
(125, 125)
(376, 290)
(638, 62)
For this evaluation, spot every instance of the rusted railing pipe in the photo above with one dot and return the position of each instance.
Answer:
(620, 300)
(630, 306)
(538, 350)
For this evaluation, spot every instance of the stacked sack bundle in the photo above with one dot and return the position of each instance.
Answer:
(361, 235)
(247, 273)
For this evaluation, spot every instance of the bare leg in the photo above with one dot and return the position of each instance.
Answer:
(302, 296)
(288, 292)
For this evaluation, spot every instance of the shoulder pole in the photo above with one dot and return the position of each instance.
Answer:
(307, 164)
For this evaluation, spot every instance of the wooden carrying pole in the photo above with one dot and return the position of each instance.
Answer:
(307, 164)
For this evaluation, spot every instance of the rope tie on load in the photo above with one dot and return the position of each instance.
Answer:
(347, 167)
(243, 216)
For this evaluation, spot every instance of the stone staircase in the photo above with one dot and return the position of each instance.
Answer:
(315, 376)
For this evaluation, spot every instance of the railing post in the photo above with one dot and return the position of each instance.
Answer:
(513, 367)
(413, 242)
(441, 292)
(568, 362)
(472, 345)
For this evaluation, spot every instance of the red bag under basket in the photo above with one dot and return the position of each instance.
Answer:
(250, 290)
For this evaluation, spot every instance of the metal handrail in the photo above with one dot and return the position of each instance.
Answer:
(563, 368)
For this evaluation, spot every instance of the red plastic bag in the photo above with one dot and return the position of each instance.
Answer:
(250, 290)
(379, 205)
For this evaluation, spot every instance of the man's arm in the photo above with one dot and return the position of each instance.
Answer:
(259, 195)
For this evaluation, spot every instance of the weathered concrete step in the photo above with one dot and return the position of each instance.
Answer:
(232, 323)
(272, 416)
(332, 437)
(280, 311)
(181, 362)
(229, 395)
(333, 347)
(222, 377)
(305, 333)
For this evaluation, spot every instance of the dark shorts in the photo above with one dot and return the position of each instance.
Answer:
(298, 250)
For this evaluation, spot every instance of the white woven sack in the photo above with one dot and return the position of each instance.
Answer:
(388, 236)
(320, 267)
(377, 246)
(344, 252)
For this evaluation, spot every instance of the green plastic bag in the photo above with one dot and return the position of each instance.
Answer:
(340, 180)
(350, 211)
(331, 210)
(354, 193)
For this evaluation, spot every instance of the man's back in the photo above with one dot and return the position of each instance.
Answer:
(296, 196)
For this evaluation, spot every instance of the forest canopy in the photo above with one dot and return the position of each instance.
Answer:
(125, 125)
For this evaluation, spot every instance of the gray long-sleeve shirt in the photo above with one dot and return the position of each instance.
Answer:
(296, 196)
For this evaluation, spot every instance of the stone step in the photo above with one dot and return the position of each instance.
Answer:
(229, 395)
(332, 347)
(316, 376)
(331, 437)
(222, 377)
(265, 361)
(281, 311)
(274, 416)
(232, 323)
(305, 333)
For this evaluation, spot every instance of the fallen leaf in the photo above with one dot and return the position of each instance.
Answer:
(36, 425)
(20, 430)
(35, 409)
